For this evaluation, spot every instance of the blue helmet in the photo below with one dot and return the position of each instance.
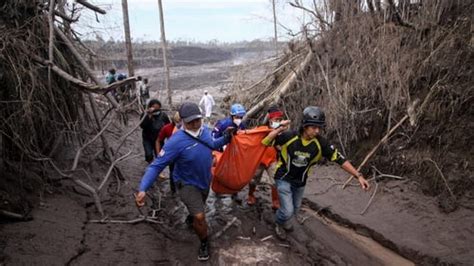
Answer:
(237, 109)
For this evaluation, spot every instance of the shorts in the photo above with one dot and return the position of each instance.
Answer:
(193, 198)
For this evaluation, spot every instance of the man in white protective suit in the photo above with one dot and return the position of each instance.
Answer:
(208, 102)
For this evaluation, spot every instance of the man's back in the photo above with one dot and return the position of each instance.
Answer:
(110, 78)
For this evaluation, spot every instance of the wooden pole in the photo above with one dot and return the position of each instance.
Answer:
(165, 57)
(128, 40)
(275, 39)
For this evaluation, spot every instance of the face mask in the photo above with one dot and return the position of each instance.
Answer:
(237, 121)
(157, 113)
(193, 133)
(275, 124)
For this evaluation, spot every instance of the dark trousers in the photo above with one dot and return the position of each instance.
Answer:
(172, 185)
(149, 147)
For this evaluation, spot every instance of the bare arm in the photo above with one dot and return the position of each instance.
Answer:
(348, 167)
(274, 133)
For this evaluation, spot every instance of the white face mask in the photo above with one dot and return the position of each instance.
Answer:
(275, 124)
(237, 121)
(194, 133)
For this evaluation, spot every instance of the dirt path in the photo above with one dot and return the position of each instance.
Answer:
(61, 233)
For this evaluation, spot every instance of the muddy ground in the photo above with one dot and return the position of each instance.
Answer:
(66, 229)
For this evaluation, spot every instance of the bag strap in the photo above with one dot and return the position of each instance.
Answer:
(198, 140)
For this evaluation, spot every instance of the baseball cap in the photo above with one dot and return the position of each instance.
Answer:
(189, 111)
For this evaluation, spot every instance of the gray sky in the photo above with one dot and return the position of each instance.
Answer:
(193, 20)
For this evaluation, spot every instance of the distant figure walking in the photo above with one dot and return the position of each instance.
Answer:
(143, 91)
(208, 101)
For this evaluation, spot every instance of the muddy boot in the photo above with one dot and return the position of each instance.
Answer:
(189, 221)
(226, 201)
(203, 253)
(251, 200)
(172, 187)
(275, 199)
(211, 205)
(288, 225)
(280, 232)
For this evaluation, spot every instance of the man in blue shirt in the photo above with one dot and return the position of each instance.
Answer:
(191, 151)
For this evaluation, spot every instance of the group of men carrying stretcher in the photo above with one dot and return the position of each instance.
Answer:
(204, 171)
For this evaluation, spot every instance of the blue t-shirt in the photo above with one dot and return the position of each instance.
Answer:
(223, 124)
(192, 159)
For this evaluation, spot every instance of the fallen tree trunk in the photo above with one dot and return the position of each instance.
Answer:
(91, 6)
(283, 88)
(84, 64)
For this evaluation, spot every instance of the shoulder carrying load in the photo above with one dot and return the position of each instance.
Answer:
(236, 166)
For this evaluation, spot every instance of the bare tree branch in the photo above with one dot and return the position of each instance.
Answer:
(91, 6)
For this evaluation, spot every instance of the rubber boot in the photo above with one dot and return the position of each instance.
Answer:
(251, 199)
(275, 199)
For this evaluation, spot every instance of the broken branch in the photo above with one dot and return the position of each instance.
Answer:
(284, 86)
(227, 226)
(374, 149)
(442, 176)
(371, 198)
(91, 6)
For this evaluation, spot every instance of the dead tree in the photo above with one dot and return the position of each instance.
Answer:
(56, 110)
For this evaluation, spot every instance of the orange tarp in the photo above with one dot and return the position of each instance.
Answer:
(236, 166)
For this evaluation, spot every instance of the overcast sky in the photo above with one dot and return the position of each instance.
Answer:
(198, 20)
